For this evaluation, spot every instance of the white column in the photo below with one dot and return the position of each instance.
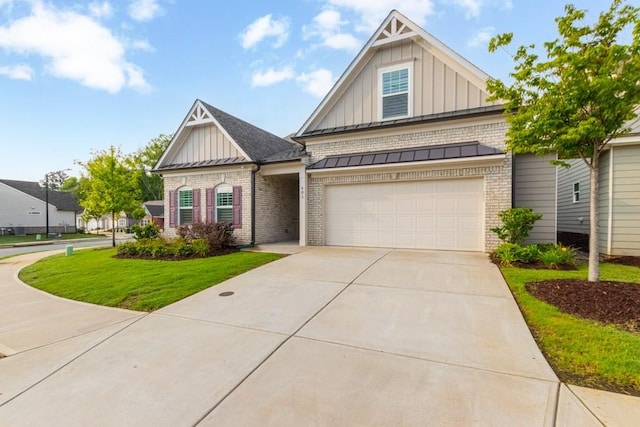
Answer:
(302, 193)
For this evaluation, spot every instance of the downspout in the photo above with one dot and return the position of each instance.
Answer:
(610, 207)
(253, 205)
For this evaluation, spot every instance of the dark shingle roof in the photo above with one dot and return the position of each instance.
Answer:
(155, 208)
(61, 200)
(405, 155)
(449, 115)
(294, 153)
(257, 143)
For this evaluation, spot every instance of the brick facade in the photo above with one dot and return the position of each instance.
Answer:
(497, 178)
(277, 209)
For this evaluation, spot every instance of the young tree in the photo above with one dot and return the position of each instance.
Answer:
(74, 186)
(151, 185)
(577, 99)
(111, 186)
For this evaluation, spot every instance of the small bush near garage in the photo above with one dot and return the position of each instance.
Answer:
(517, 223)
(545, 255)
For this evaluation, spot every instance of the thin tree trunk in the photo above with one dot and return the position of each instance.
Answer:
(594, 238)
(113, 229)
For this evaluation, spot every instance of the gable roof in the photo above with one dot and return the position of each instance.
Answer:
(61, 200)
(407, 155)
(155, 208)
(394, 28)
(254, 143)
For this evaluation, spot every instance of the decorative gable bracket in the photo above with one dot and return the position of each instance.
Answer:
(199, 116)
(394, 31)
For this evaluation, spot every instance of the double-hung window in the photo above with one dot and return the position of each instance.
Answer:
(395, 92)
(185, 207)
(224, 203)
(576, 192)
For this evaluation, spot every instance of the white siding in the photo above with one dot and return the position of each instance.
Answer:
(203, 143)
(14, 206)
(573, 217)
(535, 187)
(436, 87)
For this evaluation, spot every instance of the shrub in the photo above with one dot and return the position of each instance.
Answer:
(127, 249)
(182, 248)
(217, 236)
(149, 231)
(200, 247)
(558, 255)
(517, 223)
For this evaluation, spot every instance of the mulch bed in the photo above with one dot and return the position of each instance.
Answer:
(616, 303)
(532, 265)
(224, 251)
(632, 261)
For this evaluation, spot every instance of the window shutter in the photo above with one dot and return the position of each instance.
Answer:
(196, 205)
(210, 203)
(172, 208)
(237, 207)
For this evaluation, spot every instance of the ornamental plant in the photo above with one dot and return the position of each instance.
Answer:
(517, 223)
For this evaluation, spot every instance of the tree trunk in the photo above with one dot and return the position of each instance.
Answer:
(113, 229)
(594, 238)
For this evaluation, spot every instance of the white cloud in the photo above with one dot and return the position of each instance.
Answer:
(271, 76)
(142, 45)
(18, 72)
(481, 37)
(372, 12)
(473, 8)
(144, 10)
(317, 83)
(265, 27)
(327, 26)
(100, 10)
(74, 46)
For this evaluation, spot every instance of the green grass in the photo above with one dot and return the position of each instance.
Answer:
(94, 276)
(10, 239)
(582, 352)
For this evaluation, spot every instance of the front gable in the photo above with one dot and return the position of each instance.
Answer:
(201, 139)
(401, 60)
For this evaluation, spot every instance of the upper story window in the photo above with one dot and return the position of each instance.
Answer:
(395, 91)
(576, 192)
(224, 203)
(185, 207)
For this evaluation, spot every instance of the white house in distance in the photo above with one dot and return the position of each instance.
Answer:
(23, 209)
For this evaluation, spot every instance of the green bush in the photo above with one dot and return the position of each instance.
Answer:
(517, 223)
(558, 255)
(127, 249)
(200, 247)
(149, 231)
(549, 254)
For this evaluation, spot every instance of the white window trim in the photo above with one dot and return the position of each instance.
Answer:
(180, 209)
(223, 187)
(575, 194)
(390, 68)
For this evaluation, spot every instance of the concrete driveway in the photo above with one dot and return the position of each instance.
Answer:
(329, 336)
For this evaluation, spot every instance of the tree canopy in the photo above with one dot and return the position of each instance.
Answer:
(151, 185)
(111, 185)
(579, 97)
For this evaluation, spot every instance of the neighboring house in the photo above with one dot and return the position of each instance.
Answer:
(618, 201)
(105, 222)
(23, 209)
(154, 213)
(405, 151)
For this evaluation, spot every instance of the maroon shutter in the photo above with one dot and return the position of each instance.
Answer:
(237, 207)
(172, 208)
(210, 196)
(196, 205)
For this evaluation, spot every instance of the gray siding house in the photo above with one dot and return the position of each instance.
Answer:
(618, 202)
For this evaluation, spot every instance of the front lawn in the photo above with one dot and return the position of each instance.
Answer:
(582, 352)
(10, 239)
(94, 276)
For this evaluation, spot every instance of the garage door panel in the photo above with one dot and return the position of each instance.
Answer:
(439, 214)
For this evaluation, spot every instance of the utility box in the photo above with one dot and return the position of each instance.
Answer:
(69, 250)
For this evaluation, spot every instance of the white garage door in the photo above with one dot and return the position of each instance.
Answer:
(442, 214)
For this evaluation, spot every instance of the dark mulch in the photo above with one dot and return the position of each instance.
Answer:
(614, 303)
(632, 261)
(224, 251)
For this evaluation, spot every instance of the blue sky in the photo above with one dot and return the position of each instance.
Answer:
(81, 76)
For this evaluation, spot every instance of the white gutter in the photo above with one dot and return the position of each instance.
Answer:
(610, 219)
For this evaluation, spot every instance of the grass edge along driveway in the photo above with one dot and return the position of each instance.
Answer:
(94, 276)
(582, 352)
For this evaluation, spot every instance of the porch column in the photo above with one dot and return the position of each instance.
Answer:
(302, 191)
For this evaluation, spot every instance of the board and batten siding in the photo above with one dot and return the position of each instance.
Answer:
(436, 87)
(534, 186)
(203, 143)
(619, 199)
(573, 217)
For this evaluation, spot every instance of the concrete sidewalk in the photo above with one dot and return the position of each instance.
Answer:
(328, 336)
